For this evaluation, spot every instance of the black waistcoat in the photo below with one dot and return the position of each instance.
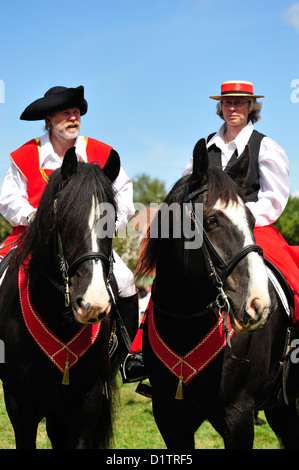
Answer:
(252, 184)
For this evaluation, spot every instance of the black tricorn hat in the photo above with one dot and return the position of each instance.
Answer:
(55, 99)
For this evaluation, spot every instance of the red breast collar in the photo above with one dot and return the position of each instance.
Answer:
(63, 355)
(188, 366)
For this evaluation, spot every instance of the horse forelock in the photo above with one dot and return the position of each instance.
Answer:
(220, 188)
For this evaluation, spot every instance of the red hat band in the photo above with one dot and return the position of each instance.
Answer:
(237, 87)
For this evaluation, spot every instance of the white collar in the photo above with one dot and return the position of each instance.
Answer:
(238, 143)
(47, 151)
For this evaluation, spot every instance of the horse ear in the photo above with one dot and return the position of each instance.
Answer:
(69, 164)
(112, 166)
(200, 160)
(238, 171)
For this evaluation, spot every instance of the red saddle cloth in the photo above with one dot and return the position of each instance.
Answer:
(284, 256)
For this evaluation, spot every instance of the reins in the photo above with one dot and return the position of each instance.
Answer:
(210, 307)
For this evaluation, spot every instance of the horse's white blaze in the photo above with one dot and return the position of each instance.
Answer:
(258, 298)
(96, 300)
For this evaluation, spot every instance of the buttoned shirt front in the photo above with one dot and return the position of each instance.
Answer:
(273, 172)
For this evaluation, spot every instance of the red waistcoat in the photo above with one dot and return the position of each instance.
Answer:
(26, 159)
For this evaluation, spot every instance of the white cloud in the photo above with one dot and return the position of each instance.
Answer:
(292, 16)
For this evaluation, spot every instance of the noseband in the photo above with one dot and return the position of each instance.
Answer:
(210, 251)
(68, 271)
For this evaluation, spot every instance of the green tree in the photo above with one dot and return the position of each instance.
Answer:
(147, 189)
(5, 228)
(288, 222)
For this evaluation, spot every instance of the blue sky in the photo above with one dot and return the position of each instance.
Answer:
(148, 68)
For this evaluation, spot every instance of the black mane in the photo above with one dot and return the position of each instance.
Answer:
(66, 205)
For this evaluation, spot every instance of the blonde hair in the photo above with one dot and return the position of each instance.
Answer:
(47, 126)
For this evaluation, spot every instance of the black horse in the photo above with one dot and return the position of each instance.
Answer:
(65, 259)
(196, 371)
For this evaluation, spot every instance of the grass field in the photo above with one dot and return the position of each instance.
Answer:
(135, 427)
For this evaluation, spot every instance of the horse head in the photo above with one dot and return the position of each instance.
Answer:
(228, 228)
(90, 272)
(75, 220)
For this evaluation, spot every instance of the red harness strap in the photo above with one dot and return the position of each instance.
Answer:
(63, 355)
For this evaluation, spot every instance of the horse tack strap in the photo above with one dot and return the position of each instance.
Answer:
(63, 355)
(188, 366)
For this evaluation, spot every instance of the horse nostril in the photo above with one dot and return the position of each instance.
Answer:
(97, 319)
(92, 320)
(82, 304)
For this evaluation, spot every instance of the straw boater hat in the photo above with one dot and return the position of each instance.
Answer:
(55, 99)
(236, 88)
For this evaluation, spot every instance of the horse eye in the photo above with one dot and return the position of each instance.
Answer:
(211, 222)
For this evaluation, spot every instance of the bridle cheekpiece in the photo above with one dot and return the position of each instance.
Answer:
(210, 251)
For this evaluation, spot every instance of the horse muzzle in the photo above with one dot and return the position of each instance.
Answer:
(253, 318)
(90, 313)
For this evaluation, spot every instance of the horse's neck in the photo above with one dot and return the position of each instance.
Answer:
(180, 296)
(174, 299)
(175, 290)
(50, 305)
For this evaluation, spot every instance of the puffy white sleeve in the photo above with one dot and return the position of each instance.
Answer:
(124, 196)
(14, 205)
(274, 183)
(189, 167)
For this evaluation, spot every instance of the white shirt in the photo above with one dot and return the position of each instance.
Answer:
(14, 205)
(273, 169)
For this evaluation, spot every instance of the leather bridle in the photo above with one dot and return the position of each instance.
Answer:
(210, 251)
(68, 271)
